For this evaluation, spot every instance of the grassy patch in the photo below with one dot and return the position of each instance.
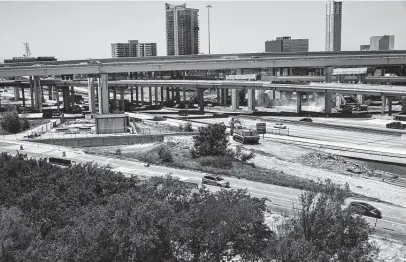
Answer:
(33, 123)
(224, 166)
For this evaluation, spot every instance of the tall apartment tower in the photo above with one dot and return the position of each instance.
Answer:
(182, 30)
(133, 49)
(333, 25)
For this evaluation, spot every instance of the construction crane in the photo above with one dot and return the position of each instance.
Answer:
(27, 50)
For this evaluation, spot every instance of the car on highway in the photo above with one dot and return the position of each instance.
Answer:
(279, 125)
(364, 209)
(215, 181)
(306, 119)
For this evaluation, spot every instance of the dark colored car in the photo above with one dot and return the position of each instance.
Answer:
(365, 209)
(306, 119)
(394, 125)
(215, 181)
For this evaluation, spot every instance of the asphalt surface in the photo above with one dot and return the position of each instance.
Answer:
(393, 223)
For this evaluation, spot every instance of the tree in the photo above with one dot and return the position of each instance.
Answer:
(11, 122)
(211, 141)
(325, 231)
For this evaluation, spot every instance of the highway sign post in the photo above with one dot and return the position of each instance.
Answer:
(261, 129)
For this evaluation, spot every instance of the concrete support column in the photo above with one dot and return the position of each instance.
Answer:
(177, 96)
(122, 104)
(150, 95)
(66, 99)
(32, 92)
(338, 100)
(184, 94)
(173, 93)
(299, 96)
(327, 103)
(16, 90)
(37, 93)
(103, 90)
(328, 71)
(218, 97)
(251, 99)
(361, 98)
(91, 94)
(137, 101)
(383, 107)
(156, 95)
(50, 92)
(142, 95)
(23, 95)
(114, 99)
(168, 95)
(162, 95)
(57, 98)
(225, 96)
(273, 94)
(234, 98)
(260, 97)
(72, 96)
(201, 100)
(390, 106)
(132, 94)
(403, 101)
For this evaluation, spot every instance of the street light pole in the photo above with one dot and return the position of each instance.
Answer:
(208, 16)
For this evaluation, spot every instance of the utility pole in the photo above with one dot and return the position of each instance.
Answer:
(208, 16)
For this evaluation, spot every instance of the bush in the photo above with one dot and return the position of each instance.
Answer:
(324, 229)
(118, 151)
(164, 153)
(11, 122)
(25, 125)
(188, 127)
(211, 141)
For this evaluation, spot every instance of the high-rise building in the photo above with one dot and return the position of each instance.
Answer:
(287, 44)
(386, 42)
(333, 25)
(364, 47)
(182, 30)
(133, 49)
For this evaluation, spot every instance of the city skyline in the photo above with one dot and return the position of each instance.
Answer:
(229, 32)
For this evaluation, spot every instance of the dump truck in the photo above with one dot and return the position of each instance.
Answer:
(246, 136)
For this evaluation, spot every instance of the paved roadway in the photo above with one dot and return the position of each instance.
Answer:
(393, 223)
(356, 139)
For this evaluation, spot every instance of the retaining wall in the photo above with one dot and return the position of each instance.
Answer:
(107, 140)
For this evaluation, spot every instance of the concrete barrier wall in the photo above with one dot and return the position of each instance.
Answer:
(102, 140)
(108, 140)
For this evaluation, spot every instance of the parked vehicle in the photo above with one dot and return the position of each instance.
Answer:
(246, 136)
(280, 126)
(215, 181)
(364, 209)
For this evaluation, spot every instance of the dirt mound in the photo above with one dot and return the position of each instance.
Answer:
(334, 162)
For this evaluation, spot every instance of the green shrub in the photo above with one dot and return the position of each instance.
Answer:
(164, 153)
(25, 124)
(11, 122)
(212, 140)
(188, 127)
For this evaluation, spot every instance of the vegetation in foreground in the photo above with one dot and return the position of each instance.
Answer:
(88, 213)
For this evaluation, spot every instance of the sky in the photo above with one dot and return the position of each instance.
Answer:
(82, 30)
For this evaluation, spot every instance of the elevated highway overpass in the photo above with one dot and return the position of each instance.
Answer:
(222, 87)
(209, 62)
